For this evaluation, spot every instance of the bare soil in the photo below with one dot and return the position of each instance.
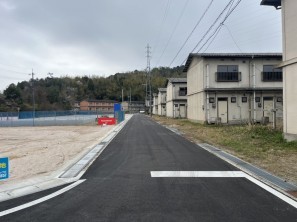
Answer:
(36, 151)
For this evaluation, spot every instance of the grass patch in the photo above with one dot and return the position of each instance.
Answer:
(250, 141)
(258, 145)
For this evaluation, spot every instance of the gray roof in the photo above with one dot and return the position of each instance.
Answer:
(162, 89)
(105, 101)
(275, 3)
(177, 80)
(229, 55)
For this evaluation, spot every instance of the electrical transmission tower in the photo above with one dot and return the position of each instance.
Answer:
(148, 85)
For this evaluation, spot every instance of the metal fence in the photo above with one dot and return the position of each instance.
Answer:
(50, 118)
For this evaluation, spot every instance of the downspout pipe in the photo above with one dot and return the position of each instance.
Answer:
(254, 87)
(207, 94)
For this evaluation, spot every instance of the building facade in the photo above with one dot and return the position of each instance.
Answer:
(155, 103)
(289, 64)
(162, 101)
(97, 105)
(234, 88)
(176, 98)
(133, 106)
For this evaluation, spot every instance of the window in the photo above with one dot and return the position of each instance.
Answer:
(228, 73)
(211, 99)
(182, 91)
(271, 74)
(257, 99)
(176, 105)
(244, 99)
(233, 99)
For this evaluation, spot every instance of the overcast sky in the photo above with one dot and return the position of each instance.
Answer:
(103, 37)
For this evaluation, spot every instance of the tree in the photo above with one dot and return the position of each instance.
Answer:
(12, 92)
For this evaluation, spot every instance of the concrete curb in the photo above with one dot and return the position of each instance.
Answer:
(70, 175)
(265, 177)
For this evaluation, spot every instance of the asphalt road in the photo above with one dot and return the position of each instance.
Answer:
(119, 186)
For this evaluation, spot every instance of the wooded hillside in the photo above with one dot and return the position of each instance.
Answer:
(61, 93)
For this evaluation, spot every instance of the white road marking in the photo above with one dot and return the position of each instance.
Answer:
(40, 200)
(220, 174)
(272, 191)
(197, 174)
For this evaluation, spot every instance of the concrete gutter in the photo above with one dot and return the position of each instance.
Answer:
(260, 174)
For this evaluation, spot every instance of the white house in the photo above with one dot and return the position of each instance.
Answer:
(289, 64)
(176, 99)
(162, 101)
(234, 88)
(155, 103)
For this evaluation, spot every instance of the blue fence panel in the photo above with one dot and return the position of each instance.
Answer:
(50, 118)
(120, 116)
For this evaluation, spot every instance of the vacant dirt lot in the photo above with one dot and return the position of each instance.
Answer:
(41, 150)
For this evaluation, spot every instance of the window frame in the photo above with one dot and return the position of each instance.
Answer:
(228, 73)
(244, 99)
(271, 74)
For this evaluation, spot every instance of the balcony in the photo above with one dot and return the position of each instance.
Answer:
(272, 76)
(228, 76)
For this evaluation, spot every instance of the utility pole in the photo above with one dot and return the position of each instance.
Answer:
(148, 81)
(33, 96)
(130, 102)
(122, 95)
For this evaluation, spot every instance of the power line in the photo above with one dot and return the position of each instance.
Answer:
(213, 38)
(221, 24)
(215, 33)
(178, 21)
(224, 25)
(198, 22)
(162, 24)
(213, 24)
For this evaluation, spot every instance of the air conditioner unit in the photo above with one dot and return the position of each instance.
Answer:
(214, 120)
(265, 120)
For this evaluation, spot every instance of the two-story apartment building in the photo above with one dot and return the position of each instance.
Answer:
(162, 101)
(289, 64)
(97, 105)
(176, 98)
(234, 88)
(155, 103)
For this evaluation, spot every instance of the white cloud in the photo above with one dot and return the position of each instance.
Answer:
(7, 5)
(109, 36)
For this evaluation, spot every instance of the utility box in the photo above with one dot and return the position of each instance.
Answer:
(265, 120)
